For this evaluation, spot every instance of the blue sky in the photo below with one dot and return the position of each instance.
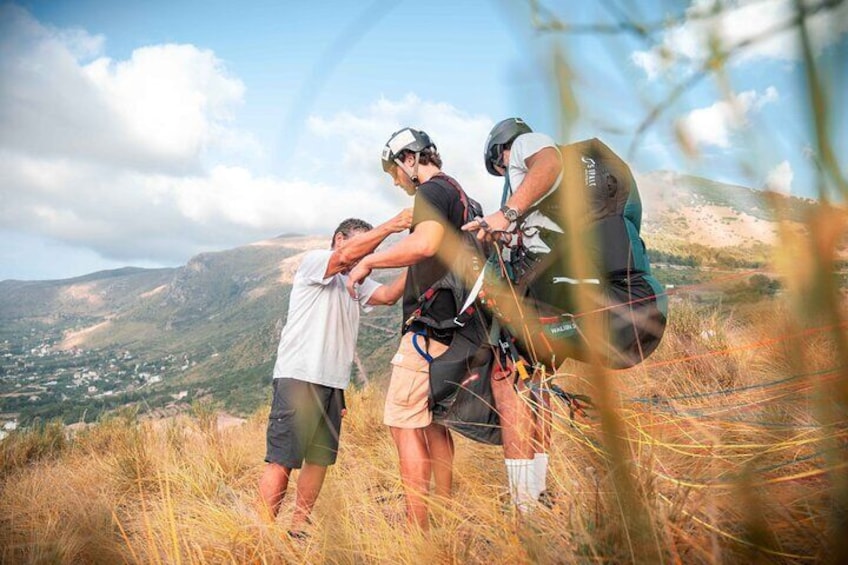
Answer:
(144, 133)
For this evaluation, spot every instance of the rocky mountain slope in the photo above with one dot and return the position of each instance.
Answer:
(686, 215)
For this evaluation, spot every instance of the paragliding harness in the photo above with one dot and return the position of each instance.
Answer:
(514, 364)
(454, 280)
(460, 394)
(631, 304)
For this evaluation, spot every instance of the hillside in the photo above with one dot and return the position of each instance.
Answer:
(688, 215)
(102, 293)
(728, 449)
(209, 328)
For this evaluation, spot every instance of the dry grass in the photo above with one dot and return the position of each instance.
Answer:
(730, 444)
(729, 455)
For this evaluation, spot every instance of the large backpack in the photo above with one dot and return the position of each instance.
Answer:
(598, 247)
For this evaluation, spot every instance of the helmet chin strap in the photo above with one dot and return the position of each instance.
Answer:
(413, 174)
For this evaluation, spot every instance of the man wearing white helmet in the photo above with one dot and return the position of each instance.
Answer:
(424, 446)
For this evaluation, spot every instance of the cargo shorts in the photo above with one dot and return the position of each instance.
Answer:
(304, 424)
(409, 388)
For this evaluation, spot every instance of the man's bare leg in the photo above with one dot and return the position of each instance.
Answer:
(272, 488)
(544, 423)
(517, 428)
(517, 420)
(414, 472)
(309, 483)
(441, 450)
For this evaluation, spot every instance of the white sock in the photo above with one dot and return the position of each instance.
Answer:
(540, 466)
(521, 477)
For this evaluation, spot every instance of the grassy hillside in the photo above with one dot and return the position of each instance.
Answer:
(730, 456)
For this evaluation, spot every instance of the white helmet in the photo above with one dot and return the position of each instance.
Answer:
(403, 141)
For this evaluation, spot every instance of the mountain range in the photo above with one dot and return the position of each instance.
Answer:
(209, 329)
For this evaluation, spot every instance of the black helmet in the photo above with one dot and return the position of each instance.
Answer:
(504, 132)
(406, 139)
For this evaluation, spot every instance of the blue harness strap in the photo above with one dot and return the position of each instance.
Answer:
(422, 352)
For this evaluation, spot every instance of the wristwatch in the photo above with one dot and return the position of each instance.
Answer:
(511, 214)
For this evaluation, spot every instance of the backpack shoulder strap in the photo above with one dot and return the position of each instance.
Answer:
(470, 207)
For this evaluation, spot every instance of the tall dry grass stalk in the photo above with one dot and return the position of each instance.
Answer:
(752, 414)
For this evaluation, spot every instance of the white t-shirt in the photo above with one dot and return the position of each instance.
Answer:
(319, 339)
(523, 147)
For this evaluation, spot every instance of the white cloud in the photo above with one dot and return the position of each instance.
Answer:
(737, 22)
(715, 124)
(173, 101)
(160, 110)
(137, 159)
(458, 136)
(780, 178)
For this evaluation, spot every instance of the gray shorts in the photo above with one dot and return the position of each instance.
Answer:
(304, 424)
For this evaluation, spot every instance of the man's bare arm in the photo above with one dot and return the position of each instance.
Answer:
(421, 244)
(362, 244)
(388, 294)
(543, 168)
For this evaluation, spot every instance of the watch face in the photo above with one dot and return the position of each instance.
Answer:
(510, 214)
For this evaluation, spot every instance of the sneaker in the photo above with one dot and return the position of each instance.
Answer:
(547, 499)
(298, 535)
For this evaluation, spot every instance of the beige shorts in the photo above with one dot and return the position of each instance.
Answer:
(409, 388)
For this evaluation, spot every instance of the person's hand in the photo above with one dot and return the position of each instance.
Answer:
(402, 221)
(488, 227)
(355, 277)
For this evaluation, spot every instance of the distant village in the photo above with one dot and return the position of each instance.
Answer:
(39, 381)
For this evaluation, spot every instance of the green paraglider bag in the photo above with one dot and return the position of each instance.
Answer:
(611, 291)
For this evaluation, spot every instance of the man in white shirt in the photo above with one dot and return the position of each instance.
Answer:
(314, 361)
(532, 167)
(569, 239)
